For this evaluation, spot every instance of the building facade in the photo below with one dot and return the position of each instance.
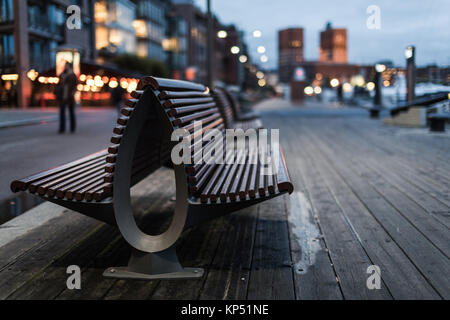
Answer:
(114, 31)
(196, 47)
(174, 33)
(333, 45)
(151, 28)
(290, 52)
(31, 32)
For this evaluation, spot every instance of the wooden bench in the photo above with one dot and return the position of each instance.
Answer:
(230, 109)
(420, 102)
(99, 185)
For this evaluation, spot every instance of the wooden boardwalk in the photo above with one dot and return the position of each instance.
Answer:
(365, 194)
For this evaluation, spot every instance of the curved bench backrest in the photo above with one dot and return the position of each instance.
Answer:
(224, 105)
(234, 102)
(184, 103)
(151, 150)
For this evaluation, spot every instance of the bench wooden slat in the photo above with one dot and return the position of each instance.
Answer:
(204, 149)
(218, 124)
(262, 183)
(234, 190)
(136, 93)
(252, 181)
(215, 193)
(169, 84)
(205, 122)
(92, 185)
(119, 129)
(51, 192)
(207, 190)
(228, 182)
(122, 120)
(283, 181)
(204, 178)
(69, 190)
(22, 184)
(242, 191)
(196, 107)
(103, 192)
(195, 116)
(163, 95)
(33, 187)
(131, 103)
(126, 111)
(111, 158)
(54, 184)
(171, 103)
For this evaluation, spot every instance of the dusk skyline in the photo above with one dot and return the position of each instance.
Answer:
(423, 24)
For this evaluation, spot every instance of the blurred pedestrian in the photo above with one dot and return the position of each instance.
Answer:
(340, 94)
(65, 94)
(117, 96)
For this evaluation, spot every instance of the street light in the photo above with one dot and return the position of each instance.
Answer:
(410, 73)
(209, 61)
(257, 34)
(261, 49)
(264, 59)
(243, 58)
(377, 100)
(222, 34)
(380, 67)
(235, 49)
(334, 82)
(260, 74)
(409, 52)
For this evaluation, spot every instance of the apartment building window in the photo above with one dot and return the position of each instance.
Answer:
(37, 17)
(156, 52)
(114, 30)
(150, 10)
(6, 12)
(57, 19)
(42, 54)
(7, 50)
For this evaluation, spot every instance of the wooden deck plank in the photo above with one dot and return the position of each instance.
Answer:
(21, 270)
(434, 230)
(420, 163)
(271, 271)
(399, 274)
(80, 254)
(427, 258)
(199, 250)
(348, 257)
(228, 275)
(314, 274)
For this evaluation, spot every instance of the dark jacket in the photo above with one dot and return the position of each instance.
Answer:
(70, 83)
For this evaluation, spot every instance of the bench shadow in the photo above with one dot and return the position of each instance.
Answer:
(197, 246)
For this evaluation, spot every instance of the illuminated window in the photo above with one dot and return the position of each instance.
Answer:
(142, 49)
(140, 28)
(100, 12)
(101, 37)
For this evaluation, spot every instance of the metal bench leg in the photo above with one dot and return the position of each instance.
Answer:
(162, 265)
(374, 114)
(437, 125)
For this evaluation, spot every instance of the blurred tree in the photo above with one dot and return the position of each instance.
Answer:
(140, 64)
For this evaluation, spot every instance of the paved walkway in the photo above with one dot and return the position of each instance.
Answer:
(16, 117)
(28, 149)
(365, 194)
